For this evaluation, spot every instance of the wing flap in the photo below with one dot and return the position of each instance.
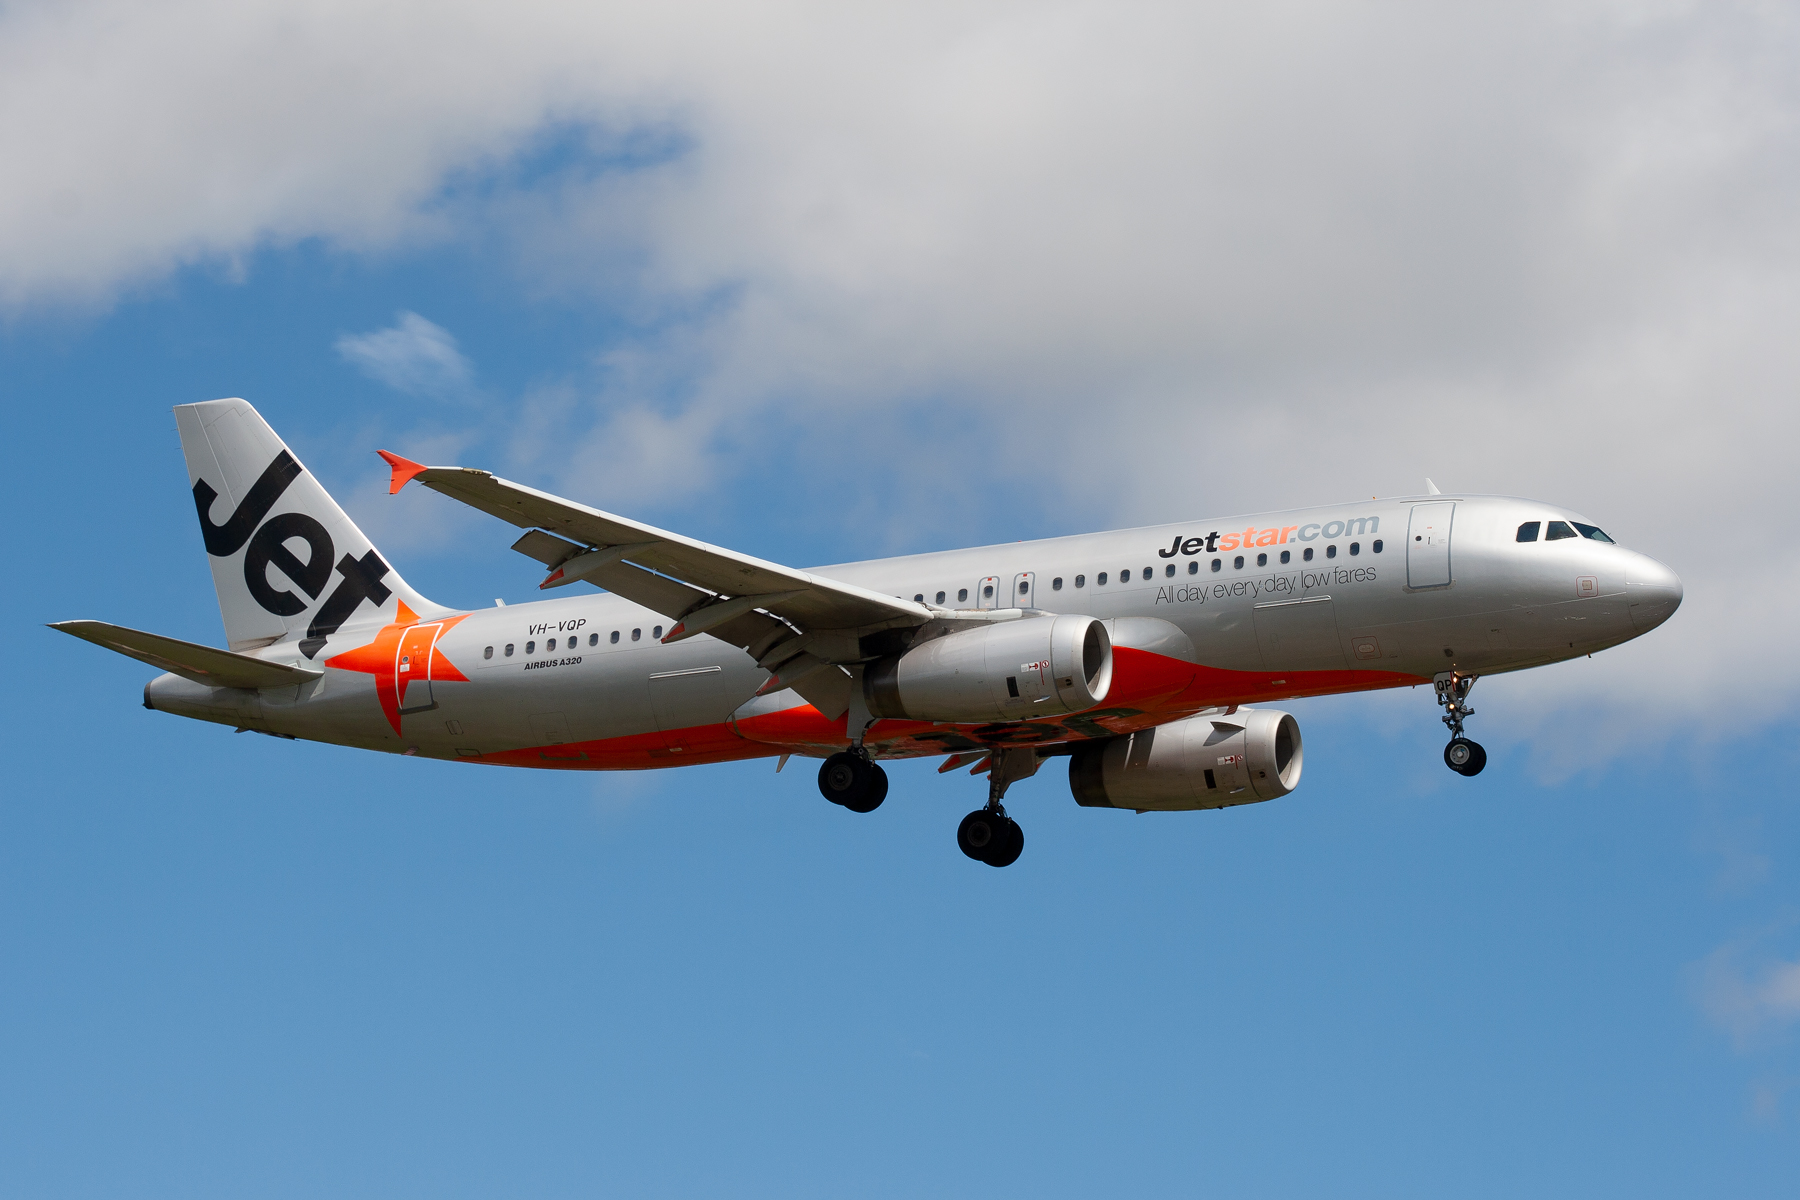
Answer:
(202, 664)
(547, 548)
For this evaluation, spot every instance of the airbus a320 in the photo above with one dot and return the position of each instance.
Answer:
(1143, 656)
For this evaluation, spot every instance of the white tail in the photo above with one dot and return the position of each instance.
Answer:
(287, 562)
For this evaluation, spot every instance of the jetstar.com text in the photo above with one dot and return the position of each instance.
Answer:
(1252, 537)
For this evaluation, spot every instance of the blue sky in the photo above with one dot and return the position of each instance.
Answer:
(988, 292)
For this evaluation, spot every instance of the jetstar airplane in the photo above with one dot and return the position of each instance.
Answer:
(1135, 654)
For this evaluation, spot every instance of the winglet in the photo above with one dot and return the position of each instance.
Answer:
(404, 470)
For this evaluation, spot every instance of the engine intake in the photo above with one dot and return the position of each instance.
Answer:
(1203, 762)
(1012, 671)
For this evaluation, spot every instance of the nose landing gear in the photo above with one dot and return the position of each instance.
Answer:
(1461, 755)
(854, 780)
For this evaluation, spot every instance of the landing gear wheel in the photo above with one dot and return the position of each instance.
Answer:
(1011, 844)
(1465, 757)
(977, 834)
(853, 781)
(990, 837)
(876, 793)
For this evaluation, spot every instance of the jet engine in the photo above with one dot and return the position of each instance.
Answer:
(1010, 671)
(1203, 762)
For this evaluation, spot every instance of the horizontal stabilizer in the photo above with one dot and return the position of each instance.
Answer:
(202, 664)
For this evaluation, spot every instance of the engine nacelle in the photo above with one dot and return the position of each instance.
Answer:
(1203, 762)
(1010, 671)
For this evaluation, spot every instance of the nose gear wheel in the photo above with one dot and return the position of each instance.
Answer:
(1463, 756)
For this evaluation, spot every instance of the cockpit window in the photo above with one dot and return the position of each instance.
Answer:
(1558, 531)
(1592, 531)
(1529, 530)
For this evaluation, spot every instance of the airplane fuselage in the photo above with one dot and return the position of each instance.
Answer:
(1203, 614)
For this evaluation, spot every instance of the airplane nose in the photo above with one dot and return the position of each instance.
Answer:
(1652, 593)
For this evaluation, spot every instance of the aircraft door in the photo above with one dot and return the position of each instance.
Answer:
(987, 592)
(1428, 544)
(412, 669)
(1024, 591)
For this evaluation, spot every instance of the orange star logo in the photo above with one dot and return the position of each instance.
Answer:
(403, 654)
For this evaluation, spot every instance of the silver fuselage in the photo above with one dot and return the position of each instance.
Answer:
(1344, 598)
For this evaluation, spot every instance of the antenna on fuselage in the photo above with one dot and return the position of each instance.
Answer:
(1432, 487)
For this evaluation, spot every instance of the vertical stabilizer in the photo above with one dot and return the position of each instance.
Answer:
(287, 562)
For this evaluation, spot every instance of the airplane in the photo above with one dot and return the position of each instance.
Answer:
(1143, 656)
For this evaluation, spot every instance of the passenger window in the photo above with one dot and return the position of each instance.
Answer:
(940, 598)
(1306, 554)
(1285, 555)
(1593, 532)
(1125, 575)
(1355, 547)
(1377, 546)
(1217, 563)
(1056, 584)
(550, 645)
(1100, 579)
(637, 635)
(1169, 570)
(919, 599)
(657, 632)
(1331, 551)
(488, 653)
(593, 639)
(530, 647)
(615, 637)
(1149, 572)
(509, 649)
(962, 594)
(1262, 560)
(1558, 531)
(1193, 566)
(1024, 586)
(1529, 530)
(1081, 581)
(1238, 562)
(987, 592)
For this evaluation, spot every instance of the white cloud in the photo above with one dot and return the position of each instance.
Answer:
(1163, 260)
(1749, 1002)
(413, 356)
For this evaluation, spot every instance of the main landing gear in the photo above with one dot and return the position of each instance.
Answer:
(1461, 755)
(988, 835)
(853, 779)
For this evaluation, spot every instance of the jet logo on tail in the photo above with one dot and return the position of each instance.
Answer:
(268, 547)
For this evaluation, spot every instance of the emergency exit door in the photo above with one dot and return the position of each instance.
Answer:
(1428, 544)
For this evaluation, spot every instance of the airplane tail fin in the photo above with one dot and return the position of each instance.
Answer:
(287, 562)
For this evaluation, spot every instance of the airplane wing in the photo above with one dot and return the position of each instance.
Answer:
(202, 664)
(792, 622)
